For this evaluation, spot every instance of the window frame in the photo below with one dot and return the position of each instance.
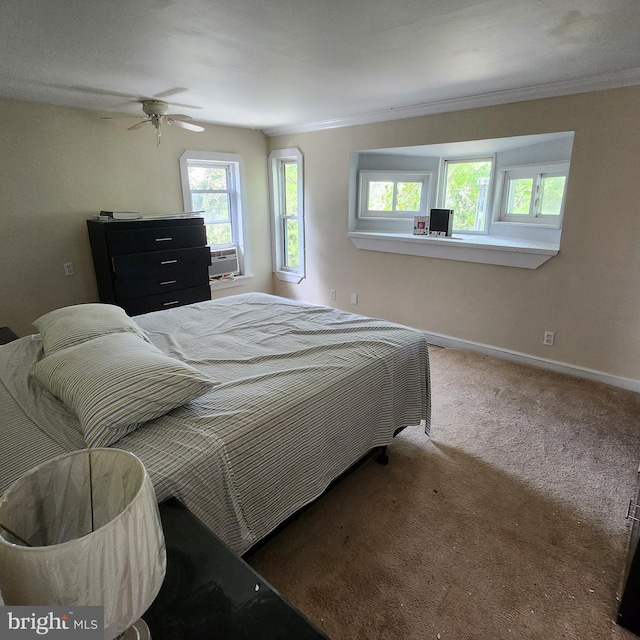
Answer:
(234, 165)
(366, 176)
(442, 189)
(536, 172)
(510, 237)
(278, 160)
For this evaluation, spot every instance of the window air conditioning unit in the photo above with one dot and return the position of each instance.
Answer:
(224, 262)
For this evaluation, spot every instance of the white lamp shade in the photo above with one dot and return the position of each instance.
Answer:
(92, 521)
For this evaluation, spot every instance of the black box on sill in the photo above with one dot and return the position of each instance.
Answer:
(441, 222)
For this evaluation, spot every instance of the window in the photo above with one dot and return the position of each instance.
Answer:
(534, 194)
(211, 184)
(466, 191)
(526, 176)
(287, 204)
(393, 195)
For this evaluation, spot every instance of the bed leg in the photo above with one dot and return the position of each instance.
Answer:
(382, 458)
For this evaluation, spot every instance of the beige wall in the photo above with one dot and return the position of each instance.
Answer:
(61, 166)
(589, 294)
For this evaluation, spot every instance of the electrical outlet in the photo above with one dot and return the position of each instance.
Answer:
(68, 268)
(549, 338)
(354, 298)
(332, 294)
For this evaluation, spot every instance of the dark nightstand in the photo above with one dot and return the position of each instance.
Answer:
(210, 592)
(629, 611)
(6, 335)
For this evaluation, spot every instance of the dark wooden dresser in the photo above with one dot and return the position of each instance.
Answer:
(152, 263)
(629, 611)
(7, 336)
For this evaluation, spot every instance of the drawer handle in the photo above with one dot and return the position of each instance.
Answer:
(168, 282)
(168, 304)
(634, 507)
(168, 262)
(163, 239)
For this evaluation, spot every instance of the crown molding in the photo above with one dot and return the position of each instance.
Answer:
(602, 82)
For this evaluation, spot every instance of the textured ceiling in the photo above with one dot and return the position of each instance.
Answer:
(288, 63)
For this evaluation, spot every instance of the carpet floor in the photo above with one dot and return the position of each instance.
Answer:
(509, 522)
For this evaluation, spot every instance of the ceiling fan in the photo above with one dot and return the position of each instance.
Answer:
(156, 112)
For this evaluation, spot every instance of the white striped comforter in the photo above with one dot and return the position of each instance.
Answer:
(306, 391)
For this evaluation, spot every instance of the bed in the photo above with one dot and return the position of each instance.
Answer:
(297, 394)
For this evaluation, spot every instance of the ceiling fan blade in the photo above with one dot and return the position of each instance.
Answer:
(178, 116)
(120, 117)
(186, 125)
(138, 125)
(163, 95)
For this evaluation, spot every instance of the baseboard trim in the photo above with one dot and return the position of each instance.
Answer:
(441, 340)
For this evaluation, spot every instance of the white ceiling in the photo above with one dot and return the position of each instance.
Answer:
(281, 65)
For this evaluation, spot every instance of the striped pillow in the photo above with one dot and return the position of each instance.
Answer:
(66, 327)
(117, 382)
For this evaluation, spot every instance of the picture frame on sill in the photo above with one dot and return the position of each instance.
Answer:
(420, 225)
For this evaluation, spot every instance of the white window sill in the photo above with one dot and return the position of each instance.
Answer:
(286, 276)
(508, 252)
(227, 283)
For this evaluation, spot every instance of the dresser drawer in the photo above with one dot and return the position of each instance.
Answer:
(145, 274)
(150, 264)
(138, 306)
(128, 241)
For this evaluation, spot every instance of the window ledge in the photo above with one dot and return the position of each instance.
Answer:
(227, 283)
(286, 276)
(529, 225)
(507, 252)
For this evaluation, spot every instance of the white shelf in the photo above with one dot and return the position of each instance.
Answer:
(507, 252)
